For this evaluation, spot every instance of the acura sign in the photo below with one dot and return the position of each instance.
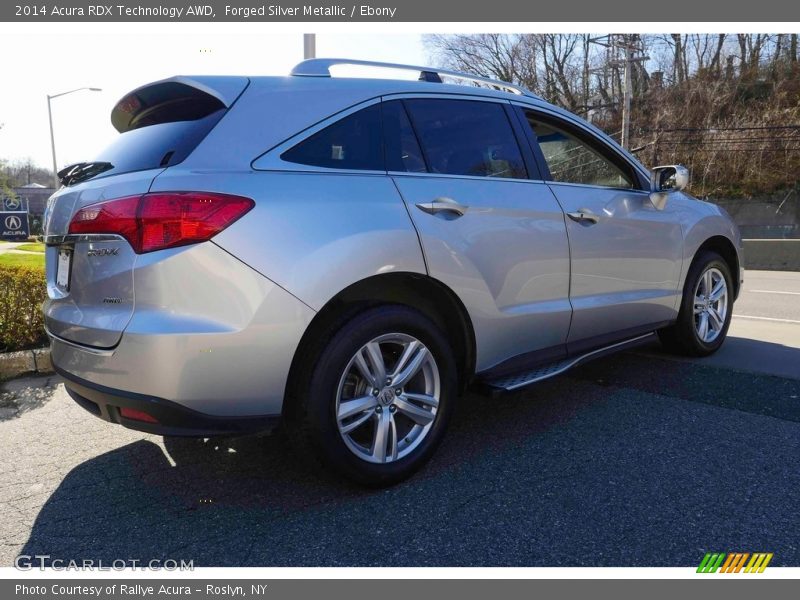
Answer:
(14, 225)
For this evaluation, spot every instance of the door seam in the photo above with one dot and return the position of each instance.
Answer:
(414, 225)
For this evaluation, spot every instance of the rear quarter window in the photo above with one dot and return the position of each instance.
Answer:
(354, 142)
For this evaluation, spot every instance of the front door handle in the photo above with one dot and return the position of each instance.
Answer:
(443, 204)
(584, 215)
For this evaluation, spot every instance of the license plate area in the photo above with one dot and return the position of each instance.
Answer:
(64, 267)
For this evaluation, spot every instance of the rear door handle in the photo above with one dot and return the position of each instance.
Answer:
(443, 204)
(584, 215)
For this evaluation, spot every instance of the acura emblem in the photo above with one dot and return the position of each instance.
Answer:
(13, 222)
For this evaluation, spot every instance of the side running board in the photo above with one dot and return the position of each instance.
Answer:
(515, 381)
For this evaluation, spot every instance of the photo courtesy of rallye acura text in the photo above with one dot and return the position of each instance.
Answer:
(345, 256)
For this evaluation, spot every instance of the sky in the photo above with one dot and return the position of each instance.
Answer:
(37, 64)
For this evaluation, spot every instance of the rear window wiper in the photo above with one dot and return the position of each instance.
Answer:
(82, 171)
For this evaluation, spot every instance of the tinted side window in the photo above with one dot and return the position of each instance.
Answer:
(572, 160)
(353, 142)
(466, 137)
(400, 142)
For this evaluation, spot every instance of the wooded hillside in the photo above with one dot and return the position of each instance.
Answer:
(726, 105)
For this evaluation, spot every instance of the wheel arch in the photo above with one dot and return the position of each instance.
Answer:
(726, 249)
(421, 292)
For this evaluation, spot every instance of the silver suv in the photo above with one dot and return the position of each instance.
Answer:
(347, 255)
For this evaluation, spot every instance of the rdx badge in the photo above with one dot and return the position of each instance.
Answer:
(102, 252)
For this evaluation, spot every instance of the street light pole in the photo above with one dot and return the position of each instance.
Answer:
(52, 144)
(52, 134)
(309, 45)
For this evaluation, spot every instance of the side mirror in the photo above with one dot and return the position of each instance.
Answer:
(665, 180)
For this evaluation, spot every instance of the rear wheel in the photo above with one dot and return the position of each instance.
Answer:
(375, 400)
(706, 307)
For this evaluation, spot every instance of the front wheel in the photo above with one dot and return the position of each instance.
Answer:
(376, 402)
(706, 309)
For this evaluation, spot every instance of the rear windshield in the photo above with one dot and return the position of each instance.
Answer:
(157, 145)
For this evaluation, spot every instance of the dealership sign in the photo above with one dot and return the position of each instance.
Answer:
(12, 205)
(14, 225)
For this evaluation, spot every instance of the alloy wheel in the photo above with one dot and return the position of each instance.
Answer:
(710, 305)
(388, 397)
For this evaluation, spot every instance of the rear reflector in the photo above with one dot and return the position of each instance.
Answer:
(163, 219)
(137, 415)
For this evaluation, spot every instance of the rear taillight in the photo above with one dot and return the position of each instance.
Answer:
(163, 219)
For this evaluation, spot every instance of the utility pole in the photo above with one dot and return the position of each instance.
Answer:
(630, 45)
(626, 98)
(309, 45)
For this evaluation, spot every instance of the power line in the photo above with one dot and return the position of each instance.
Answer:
(726, 143)
(715, 129)
(754, 150)
(731, 140)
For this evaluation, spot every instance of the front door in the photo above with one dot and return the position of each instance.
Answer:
(626, 256)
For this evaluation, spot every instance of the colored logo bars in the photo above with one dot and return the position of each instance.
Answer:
(734, 562)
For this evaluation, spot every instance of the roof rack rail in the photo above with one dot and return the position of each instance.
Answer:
(320, 67)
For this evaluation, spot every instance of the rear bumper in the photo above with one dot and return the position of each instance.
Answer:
(208, 333)
(172, 418)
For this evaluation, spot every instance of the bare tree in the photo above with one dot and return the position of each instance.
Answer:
(720, 104)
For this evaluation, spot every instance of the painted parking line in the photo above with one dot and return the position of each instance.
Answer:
(772, 292)
(767, 319)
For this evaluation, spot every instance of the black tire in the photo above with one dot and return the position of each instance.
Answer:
(682, 337)
(311, 415)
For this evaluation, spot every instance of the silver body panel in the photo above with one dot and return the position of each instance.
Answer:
(221, 344)
(626, 267)
(215, 326)
(507, 259)
(314, 234)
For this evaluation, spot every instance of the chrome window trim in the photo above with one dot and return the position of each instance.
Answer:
(469, 177)
(598, 187)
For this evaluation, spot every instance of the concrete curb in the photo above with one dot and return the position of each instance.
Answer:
(14, 364)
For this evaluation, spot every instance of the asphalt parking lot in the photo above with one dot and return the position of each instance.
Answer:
(636, 459)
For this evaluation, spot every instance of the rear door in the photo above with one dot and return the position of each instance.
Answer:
(489, 229)
(90, 277)
(626, 255)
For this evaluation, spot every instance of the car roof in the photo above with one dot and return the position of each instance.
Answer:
(385, 86)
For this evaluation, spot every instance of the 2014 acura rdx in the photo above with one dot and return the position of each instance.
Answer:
(348, 254)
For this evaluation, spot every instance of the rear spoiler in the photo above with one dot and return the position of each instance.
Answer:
(175, 99)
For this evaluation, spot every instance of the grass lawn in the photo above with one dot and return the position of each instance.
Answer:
(9, 259)
(32, 247)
